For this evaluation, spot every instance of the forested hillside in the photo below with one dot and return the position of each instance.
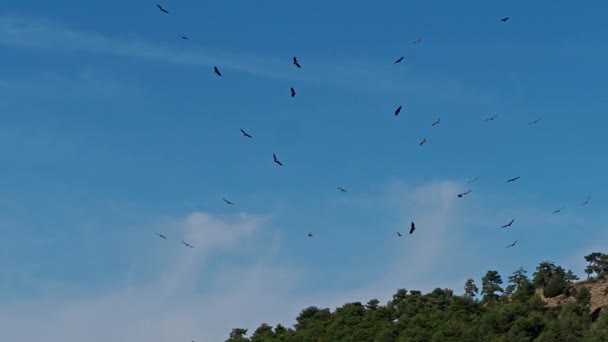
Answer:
(550, 306)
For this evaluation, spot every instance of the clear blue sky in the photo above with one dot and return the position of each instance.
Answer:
(113, 128)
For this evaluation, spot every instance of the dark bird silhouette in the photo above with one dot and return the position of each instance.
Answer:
(162, 9)
(185, 38)
(228, 202)
(587, 201)
(436, 122)
(423, 141)
(161, 235)
(341, 189)
(513, 244)
(509, 224)
(276, 160)
(398, 110)
(399, 59)
(473, 180)
(534, 122)
(513, 179)
(417, 41)
(464, 193)
(504, 20)
(399, 234)
(293, 92)
(309, 234)
(412, 228)
(217, 71)
(187, 244)
(246, 134)
(296, 63)
(558, 211)
(491, 118)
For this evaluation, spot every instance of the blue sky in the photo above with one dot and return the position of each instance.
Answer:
(113, 128)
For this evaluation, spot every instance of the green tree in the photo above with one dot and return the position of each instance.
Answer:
(490, 284)
(470, 289)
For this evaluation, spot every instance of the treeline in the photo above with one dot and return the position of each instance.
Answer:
(490, 312)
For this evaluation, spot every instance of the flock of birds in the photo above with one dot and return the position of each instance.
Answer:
(398, 110)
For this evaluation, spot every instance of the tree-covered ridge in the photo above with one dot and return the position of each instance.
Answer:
(548, 307)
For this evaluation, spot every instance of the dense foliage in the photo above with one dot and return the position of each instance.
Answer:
(516, 312)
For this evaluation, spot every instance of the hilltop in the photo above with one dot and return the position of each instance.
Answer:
(552, 305)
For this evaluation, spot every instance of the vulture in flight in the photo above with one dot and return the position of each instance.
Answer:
(162, 9)
(398, 110)
(511, 245)
(491, 118)
(558, 211)
(217, 71)
(341, 189)
(509, 224)
(185, 38)
(587, 201)
(293, 92)
(161, 235)
(186, 244)
(513, 179)
(276, 160)
(464, 193)
(473, 180)
(504, 20)
(534, 122)
(246, 134)
(399, 234)
(412, 228)
(417, 41)
(228, 202)
(399, 59)
(423, 141)
(296, 63)
(309, 234)
(436, 122)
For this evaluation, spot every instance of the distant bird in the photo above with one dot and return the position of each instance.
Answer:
(417, 41)
(558, 211)
(436, 122)
(161, 235)
(509, 224)
(246, 134)
(423, 141)
(162, 9)
(398, 110)
(412, 228)
(399, 234)
(309, 234)
(534, 122)
(513, 179)
(228, 202)
(296, 63)
(504, 20)
(511, 245)
(473, 180)
(217, 71)
(587, 201)
(185, 38)
(187, 244)
(276, 160)
(341, 189)
(464, 193)
(491, 118)
(399, 59)
(293, 92)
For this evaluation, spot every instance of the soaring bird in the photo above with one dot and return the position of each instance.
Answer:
(473, 180)
(246, 134)
(276, 160)
(161, 235)
(412, 228)
(296, 63)
(511, 245)
(185, 38)
(504, 20)
(398, 110)
(513, 179)
(491, 118)
(217, 71)
(399, 234)
(293, 92)
(534, 122)
(436, 122)
(162, 9)
(423, 141)
(417, 41)
(341, 189)
(558, 211)
(587, 201)
(309, 234)
(399, 59)
(464, 193)
(187, 244)
(509, 224)
(228, 202)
